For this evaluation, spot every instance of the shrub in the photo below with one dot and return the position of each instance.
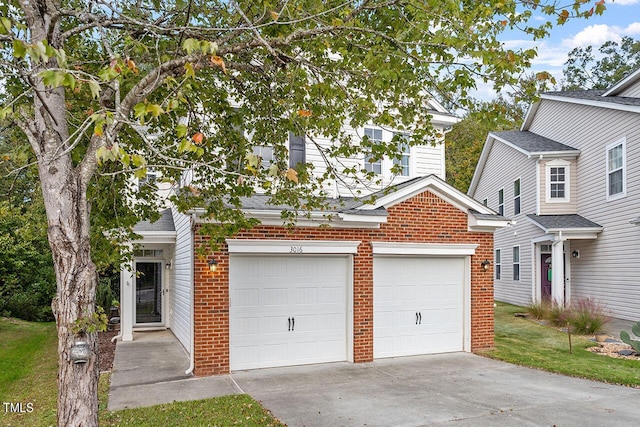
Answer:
(539, 310)
(626, 338)
(104, 295)
(587, 316)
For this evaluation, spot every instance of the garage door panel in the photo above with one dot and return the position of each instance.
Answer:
(431, 287)
(270, 290)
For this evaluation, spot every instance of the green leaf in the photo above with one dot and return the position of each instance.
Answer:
(107, 74)
(154, 109)
(4, 112)
(181, 130)
(140, 173)
(188, 70)
(94, 86)
(5, 25)
(53, 78)
(19, 50)
(69, 81)
(190, 45)
(137, 160)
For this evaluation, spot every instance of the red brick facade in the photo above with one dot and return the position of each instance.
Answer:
(424, 218)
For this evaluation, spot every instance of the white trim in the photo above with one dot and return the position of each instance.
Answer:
(442, 249)
(486, 225)
(466, 306)
(593, 103)
(497, 263)
(158, 237)
(623, 84)
(558, 163)
(623, 142)
(519, 196)
(513, 263)
(293, 247)
(500, 204)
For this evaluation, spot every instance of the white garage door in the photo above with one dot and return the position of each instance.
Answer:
(418, 305)
(287, 310)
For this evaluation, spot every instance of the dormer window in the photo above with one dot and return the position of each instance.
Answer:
(405, 152)
(557, 176)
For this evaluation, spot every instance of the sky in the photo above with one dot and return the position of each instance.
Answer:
(621, 18)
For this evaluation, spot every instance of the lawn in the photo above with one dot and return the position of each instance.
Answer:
(28, 369)
(527, 343)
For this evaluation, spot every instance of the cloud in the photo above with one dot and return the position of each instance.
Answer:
(625, 2)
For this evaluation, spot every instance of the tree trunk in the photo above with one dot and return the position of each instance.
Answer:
(68, 219)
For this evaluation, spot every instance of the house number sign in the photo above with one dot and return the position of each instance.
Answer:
(296, 250)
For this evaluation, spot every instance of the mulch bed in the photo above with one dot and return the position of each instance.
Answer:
(106, 350)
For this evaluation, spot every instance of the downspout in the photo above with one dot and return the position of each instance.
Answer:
(193, 300)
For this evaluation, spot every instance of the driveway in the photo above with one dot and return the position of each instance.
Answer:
(458, 389)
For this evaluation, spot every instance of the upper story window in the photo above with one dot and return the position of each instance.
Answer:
(557, 177)
(266, 155)
(616, 170)
(498, 264)
(149, 179)
(371, 164)
(516, 196)
(405, 152)
(501, 201)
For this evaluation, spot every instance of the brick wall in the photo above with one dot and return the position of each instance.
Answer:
(424, 218)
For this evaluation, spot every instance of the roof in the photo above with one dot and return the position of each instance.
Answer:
(164, 223)
(532, 143)
(595, 95)
(571, 222)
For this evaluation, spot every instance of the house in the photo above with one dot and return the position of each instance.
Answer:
(407, 274)
(568, 180)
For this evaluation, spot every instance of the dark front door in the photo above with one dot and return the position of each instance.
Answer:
(545, 276)
(148, 292)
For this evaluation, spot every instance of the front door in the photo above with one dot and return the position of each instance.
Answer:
(148, 293)
(545, 276)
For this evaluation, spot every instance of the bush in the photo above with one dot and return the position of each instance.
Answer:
(104, 295)
(559, 315)
(539, 310)
(587, 316)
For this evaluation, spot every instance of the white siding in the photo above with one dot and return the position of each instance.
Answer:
(181, 289)
(608, 267)
(558, 208)
(632, 91)
(504, 165)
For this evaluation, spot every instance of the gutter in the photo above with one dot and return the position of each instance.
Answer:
(192, 346)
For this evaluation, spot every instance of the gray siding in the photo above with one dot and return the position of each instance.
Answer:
(632, 91)
(609, 267)
(556, 208)
(504, 165)
(181, 291)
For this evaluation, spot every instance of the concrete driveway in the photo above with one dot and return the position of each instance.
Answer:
(458, 389)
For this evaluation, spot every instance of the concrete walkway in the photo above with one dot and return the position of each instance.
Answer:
(150, 370)
(457, 389)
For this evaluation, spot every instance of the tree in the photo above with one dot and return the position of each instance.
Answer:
(107, 89)
(585, 69)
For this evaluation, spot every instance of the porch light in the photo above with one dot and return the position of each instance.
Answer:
(485, 264)
(80, 352)
(213, 264)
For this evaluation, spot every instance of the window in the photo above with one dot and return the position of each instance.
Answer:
(516, 263)
(148, 180)
(498, 264)
(516, 196)
(405, 151)
(266, 155)
(557, 176)
(501, 201)
(616, 164)
(371, 164)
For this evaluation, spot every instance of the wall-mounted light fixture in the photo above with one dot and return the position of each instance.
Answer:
(575, 254)
(168, 265)
(485, 264)
(213, 265)
(80, 352)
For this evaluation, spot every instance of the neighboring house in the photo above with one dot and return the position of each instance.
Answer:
(408, 274)
(569, 182)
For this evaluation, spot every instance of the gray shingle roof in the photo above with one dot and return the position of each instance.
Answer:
(563, 222)
(533, 143)
(165, 223)
(491, 217)
(596, 95)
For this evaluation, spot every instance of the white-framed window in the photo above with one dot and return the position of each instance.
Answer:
(497, 264)
(404, 149)
(266, 155)
(516, 263)
(557, 176)
(516, 196)
(371, 164)
(616, 170)
(149, 179)
(501, 201)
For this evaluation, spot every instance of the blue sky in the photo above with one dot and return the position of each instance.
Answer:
(621, 18)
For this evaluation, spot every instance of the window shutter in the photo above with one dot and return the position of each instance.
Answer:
(296, 150)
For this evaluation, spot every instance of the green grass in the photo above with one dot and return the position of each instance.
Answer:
(28, 370)
(527, 343)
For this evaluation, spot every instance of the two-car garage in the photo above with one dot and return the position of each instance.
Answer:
(292, 303)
